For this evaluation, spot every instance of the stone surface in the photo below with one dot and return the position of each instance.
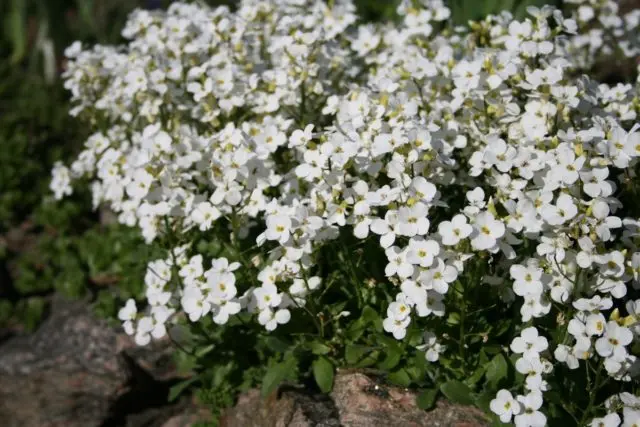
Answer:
(290, 407)
(361, 402)
(357, 400)
(76, 371)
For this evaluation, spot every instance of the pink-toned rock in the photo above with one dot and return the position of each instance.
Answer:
(362, 402)
(357, 400)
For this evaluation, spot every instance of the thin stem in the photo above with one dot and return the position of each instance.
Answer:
(592, 393)
(354, 276)
(463, 314)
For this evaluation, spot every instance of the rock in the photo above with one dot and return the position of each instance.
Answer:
(291, 407)
(361, 402)
(76, 371)
(66, 374)
(357, 400)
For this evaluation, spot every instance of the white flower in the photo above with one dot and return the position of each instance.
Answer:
(422, 252)
(61, 181)
(529, 343)
(451, 232)
(204, 215)
(396, 326)
(127, 315)
(431, 347)
(413, 220)
(387, 228)
(194, 303)
(631, 417)
(561, 212)
(564, 353)
(398, 310)
(267, 296)
(439, 276)
(529, 416)
(278, 228)
(271, 320)
(301, 137)
(224, 309)
(505, 406)
(398, 263)
(487, 231)
(423, 189)
(610, 420)
(527, 280)
(139, 187)
(613, 343)
(595, 324)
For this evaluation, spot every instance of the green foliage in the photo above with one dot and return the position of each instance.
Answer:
(427, 399)
(457, 391)
(47, 246)
(323, 372)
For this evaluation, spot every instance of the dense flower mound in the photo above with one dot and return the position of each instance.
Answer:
(476, 160)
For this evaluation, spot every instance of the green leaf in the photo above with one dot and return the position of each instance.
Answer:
(427, 399)
(356, 329)
(476, 376)
(457, 392)
(400, 377)
(323, 373)
(453, 319)
(205, 350)
(318, 348)
(15, 22)
(360, 355)
(484, 399)
(393, 354)
(276, 344)
(177, 389)
(497, 369)
(274, 376)
(369, 314)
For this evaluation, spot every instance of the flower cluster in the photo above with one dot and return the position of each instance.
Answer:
(286, 124)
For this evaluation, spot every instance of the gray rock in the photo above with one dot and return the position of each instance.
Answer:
(76, 371)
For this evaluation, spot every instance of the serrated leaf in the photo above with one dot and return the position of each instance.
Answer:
(427, 399)
(457, 392)
(323, 373)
